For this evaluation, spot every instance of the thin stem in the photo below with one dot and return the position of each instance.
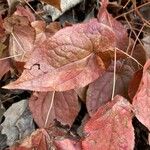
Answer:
(49, 110)
(9, 57)
(130, 57)
(114, 78)
(132, 10)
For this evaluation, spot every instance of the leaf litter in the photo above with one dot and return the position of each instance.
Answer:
(89, 79)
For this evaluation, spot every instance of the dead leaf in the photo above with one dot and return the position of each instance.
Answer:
(71, 58)
(82, 93)
(2, 110)
(3, 139)
(110, 128)
(25, 12)
(146, 42)
(141, 100)
(37, 140)
(64, 109)
(100, 91)
(54, 3)
(67, 144)
(60, 7)
(134, 83)
(18, 122)
(119, 30)
(22, 37)
(5, 67)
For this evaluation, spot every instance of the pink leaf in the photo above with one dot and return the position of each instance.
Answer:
(71, 58)
(100, 91)
(67, 144)
(141, 100)
(64, 109)
(22, 37)
(5, 67)
(110, 128)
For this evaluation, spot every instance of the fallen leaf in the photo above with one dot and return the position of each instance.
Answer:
(65, 107)
(3, 139)
(25, 12)
(71, 58)
(146, 42)
(119, 30)
(54, 3)
(2, 110)
(134, 83)
(67, 144)
(110, 128)
(37, 140)
(22, 37)
(82, 93)
(141, 100)
(100, 91)
(61, 7)
(18, 122)
(5, 67)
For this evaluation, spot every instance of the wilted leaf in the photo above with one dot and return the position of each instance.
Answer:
(141, 100)
(37, 140)
(110, 128)
(63, 7)
(146, 42)
(67, 144)
(2, 109)
(100, 91)
(18, 122)
(25, 12)
(3, 139)
(22, 37)
(54, 3)
(64, 109)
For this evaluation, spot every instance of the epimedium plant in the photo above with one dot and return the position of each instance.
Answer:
(61, 62)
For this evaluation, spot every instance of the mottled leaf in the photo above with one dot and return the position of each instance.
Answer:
(65, 107)
(110, 128)
(100, 91)
(141, 100)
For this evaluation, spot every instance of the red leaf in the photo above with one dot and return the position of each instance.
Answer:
(141, 100)
(22, 37)
(67, 144)
(134, 84)
(5, 67)
(71, 58)
(37, 140)
(65, 107)
(110, 128)
(67, 77)
(120, 32)
(100, 91)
